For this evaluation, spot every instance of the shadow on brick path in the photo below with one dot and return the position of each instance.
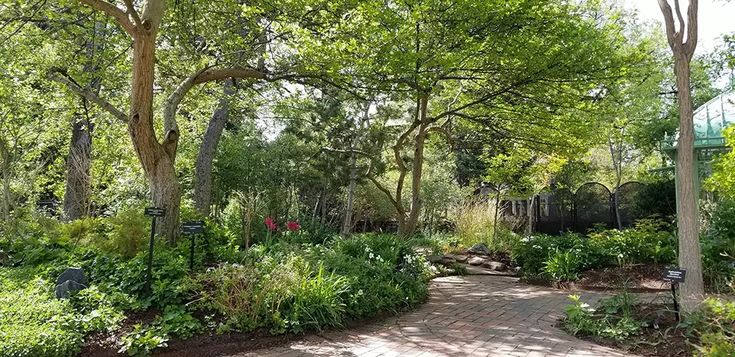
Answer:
(464, 316)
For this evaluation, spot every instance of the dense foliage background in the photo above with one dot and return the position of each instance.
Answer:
(329, 146)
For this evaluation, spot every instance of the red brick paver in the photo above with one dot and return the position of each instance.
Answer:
(465, 316)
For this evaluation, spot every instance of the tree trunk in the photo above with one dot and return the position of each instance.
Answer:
(495, 214)
(618, 167)
(692, 290)
(78, 173)
(203, 174)
(411, 223)
(157, 159)
(5, 156)
(79, 161)
(347, 223)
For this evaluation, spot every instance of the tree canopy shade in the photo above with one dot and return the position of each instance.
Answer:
(528, 70)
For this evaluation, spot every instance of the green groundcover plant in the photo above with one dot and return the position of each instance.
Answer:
(564, 257)
(285, 286)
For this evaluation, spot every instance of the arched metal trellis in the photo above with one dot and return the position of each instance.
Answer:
(628, 196)
(556, 211)
(591, 205)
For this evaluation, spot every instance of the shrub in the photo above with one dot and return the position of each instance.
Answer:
(650, 241)
(563, 266)
(286, 287)
(613, 320)
(34, 323)
(534, 253)
(718, 248)
(130, 230)
(283, 295)
(714, 327)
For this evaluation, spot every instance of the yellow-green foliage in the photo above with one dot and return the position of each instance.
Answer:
(723, 175)
(474, 222)
(714, 325)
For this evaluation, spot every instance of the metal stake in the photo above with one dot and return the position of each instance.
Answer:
(150, 256)
(676, 304)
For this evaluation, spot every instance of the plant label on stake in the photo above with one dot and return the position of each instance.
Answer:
(153, 212)
(675, 276)
(192, 229)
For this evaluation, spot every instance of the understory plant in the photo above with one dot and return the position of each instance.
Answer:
(613, 319)
(649, 241)
(712, 328)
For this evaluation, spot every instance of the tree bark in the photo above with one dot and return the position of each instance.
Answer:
(208, 150)
(347, 222)
(618, 167)
(683, 42)
(692, 290)
(156, 158)
(78, 171)
(417, 167)
(79, 161)
(5, 156)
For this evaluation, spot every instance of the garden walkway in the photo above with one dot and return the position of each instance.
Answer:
(477, 315)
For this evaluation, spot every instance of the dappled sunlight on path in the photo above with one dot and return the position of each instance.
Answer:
(464, 316)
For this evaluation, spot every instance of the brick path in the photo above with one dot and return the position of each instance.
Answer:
(465, 316)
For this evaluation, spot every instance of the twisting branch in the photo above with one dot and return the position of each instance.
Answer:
(671, 34)
(204, 75)
(369, 173)
(120, 16)
(132, 12)
(58, 76)
(676, 38)
(692, 29)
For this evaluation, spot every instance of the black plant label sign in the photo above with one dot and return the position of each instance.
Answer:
(155, 212)
(193, 227)
(675, 275)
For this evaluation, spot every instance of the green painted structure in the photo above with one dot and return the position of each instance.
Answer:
(710, 120)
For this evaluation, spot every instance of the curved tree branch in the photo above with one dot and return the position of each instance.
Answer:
(204, 75)
(132, 12)
(57, 76)
(692, 29)
(120, 16)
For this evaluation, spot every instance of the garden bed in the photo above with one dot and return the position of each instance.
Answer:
(634, 278)
(274, 293)
(659, 335)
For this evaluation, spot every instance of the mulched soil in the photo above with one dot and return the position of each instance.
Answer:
(634, 278)
(105, 344)
(660, 336)
(639, 278)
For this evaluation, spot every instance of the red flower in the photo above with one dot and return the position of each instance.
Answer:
(270, 224)
(293, 226)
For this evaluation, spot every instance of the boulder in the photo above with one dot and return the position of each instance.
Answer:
(70, 281)
(433, 259)
(448, 260)
(65, 289)
(497, 266)
(73, 274)
(460, 258)
(475, 261)
(479, 248)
